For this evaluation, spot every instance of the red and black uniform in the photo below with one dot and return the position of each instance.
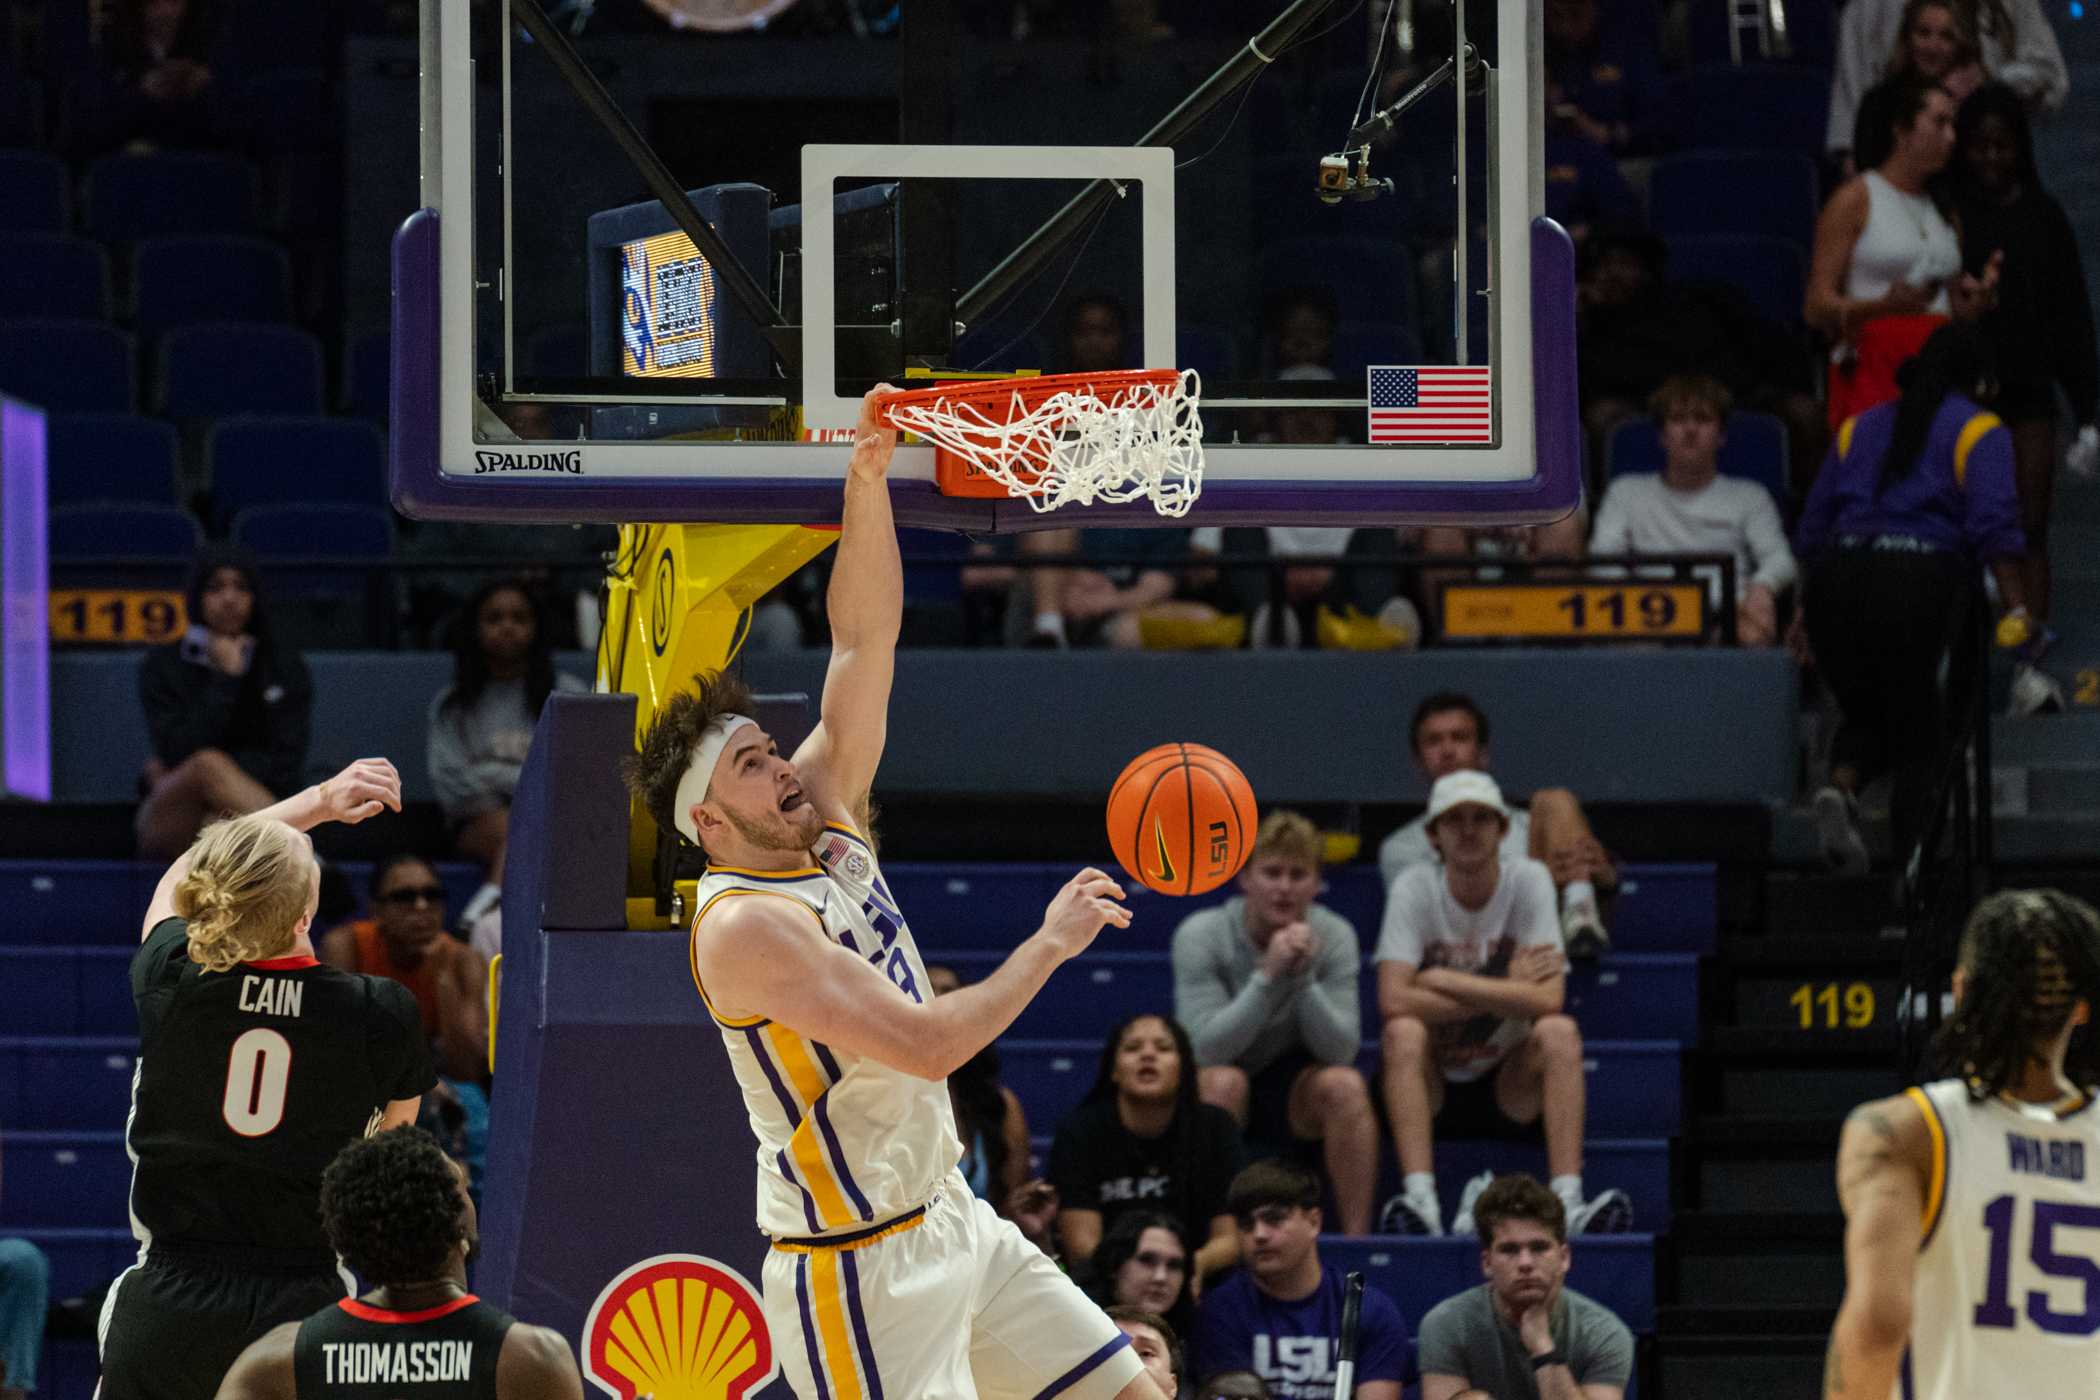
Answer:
(354, 1351)
(248, 1083)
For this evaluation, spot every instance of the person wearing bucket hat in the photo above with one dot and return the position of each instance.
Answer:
(1471, 985)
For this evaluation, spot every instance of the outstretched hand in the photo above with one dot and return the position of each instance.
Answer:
(1088, 901)
(364, 789)
(874, 441)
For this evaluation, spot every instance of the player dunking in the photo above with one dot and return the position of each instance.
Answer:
(256, 1065)
(1972, 1205)
(887, 1277)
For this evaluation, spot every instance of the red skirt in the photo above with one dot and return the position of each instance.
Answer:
(1868, 376)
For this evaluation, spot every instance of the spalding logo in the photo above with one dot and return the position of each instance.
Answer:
(678, 1327)
(570, 461)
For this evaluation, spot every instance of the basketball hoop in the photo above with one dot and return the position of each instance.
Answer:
(1059, 439)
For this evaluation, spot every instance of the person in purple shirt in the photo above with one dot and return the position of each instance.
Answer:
(1281, 1316)
(1604, 81)
(1913, 495)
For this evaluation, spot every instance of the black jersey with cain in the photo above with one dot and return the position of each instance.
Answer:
(249, 1082)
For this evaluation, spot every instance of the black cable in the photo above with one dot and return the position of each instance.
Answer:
(1100, 218)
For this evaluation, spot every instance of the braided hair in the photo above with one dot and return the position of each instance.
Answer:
(2030, 957)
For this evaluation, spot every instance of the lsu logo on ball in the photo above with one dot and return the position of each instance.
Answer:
(678, 1327)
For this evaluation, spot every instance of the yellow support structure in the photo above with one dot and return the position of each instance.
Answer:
(678, 599)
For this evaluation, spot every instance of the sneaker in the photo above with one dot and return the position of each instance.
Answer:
(1402, 1216)
(1582, 930)
(1462, 1223)
(1837, 827)
(2034, 692)
(1606, 1213)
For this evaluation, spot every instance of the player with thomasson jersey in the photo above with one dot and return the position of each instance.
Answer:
(887, 1276)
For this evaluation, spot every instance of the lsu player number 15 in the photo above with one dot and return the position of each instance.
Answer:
(1972, 1204)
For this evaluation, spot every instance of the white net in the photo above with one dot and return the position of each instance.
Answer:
(1141, 440)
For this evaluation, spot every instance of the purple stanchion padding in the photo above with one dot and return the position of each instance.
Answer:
(617, 1132)
(421, 488)
(25, 612)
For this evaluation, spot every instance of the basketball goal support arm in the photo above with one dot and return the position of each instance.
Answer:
(751, 298)
(1046, 242)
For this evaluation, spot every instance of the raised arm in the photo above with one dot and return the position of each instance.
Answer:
(1884, 1158)
(866, 607)
(766, 956)
(364, 789)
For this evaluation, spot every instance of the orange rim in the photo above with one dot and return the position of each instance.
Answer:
(1033, 390)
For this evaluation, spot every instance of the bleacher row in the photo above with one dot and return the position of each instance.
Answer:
(66, 1064)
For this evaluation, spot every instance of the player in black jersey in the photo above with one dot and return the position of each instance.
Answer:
(256, 1066)
(397, 1210)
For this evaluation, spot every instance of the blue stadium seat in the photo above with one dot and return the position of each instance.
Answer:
(82, 1260)
(1755, 450)
(67, 1083)
(219, 370)
(1667, 908)
(1756, 107)
(1769, 272)
(193, 279)
(100, 531)
(282, 461)
(134, 196)
(292, 531)
(1208, 350)
(1357, 348)
(1739, 192)
(33, 196)
(53, 902)
(68, 366)
(1616, 1270)
(1372, 279)
(45, 274)
(111, 457)
(66, 1179)
(1635, 1086)
(67, 991)
(367, 375)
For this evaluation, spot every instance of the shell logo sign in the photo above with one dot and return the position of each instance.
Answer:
(678, 1327)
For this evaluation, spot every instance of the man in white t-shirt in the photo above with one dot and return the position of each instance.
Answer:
(1691, 509)
(1449, 734)
(1471, 980)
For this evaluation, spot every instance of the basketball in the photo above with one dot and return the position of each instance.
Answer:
(1181, 819)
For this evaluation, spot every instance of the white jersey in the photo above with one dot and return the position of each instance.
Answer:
(843, 1141)
(2007, 1292)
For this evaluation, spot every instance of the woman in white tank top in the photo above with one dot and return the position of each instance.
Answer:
(1887, 266)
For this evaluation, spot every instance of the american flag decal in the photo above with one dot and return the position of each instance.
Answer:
(1432, 403)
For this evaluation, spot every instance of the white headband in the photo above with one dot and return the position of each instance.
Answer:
(692, 788)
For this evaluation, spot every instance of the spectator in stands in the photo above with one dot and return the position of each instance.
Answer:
(1585, 190)
(481, 724)
(1300, 332)
(1887, 266)
(1267, 985)
(1233, 1385)
(155, 82)
(1142, 1140)
(1095, 335)
(1915, 494)
(1688, 508)
(1604, 82)
(405, 939)
(1637, 328)
(1107, 600)
(1449, 734)
(1937, 42)
(988, 1118)
(228, 709)
(2042, 327)
(2010, 40)
(1279, 1317)
(1472, 980)
(1524, 1334)
(1152, 1337)
(1143, 1262)
(25, 1287)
